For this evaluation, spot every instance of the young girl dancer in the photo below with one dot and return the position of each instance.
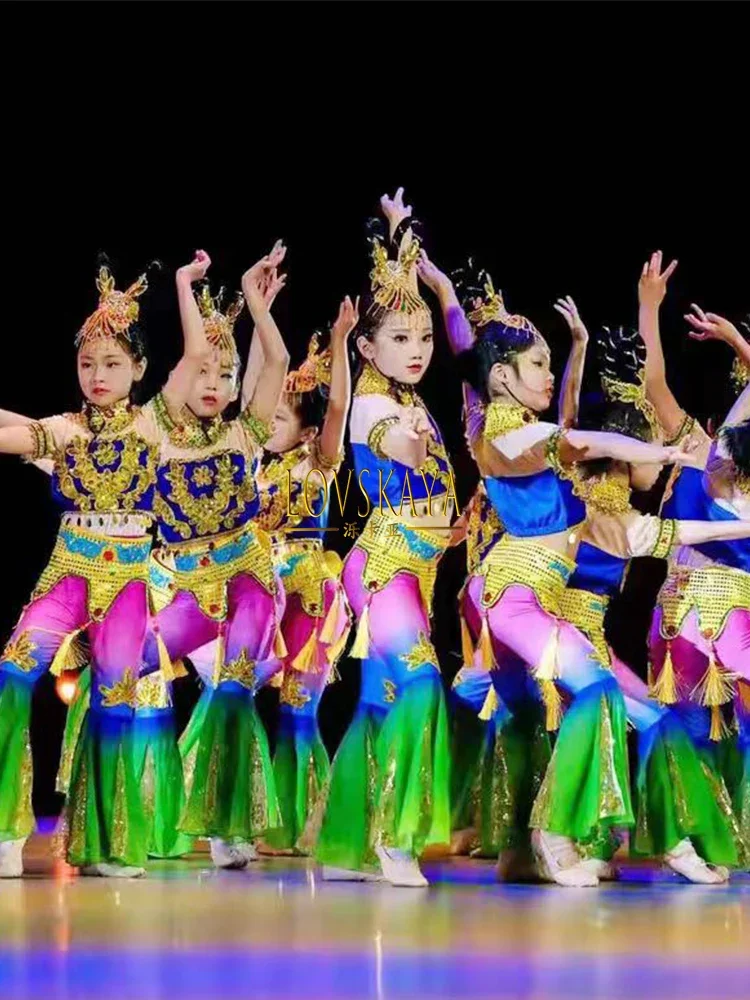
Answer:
(388, 796)
(214, 569)
(105, 460)
(526, 468)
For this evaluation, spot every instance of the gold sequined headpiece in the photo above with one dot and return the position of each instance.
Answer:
(394, 282)
(633, 393)
(314, 371)
(116, 312)
(219, 326)
(492, 310)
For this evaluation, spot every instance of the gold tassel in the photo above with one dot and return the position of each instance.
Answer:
(219, 658)
(491, 705)
(179, 669)
(306, 659)
(649, 674)
(665, 687)
(279, 646)
(467, 646)
(552, 703)
(334, 652)
(165, 664)
(63, 654)
(716, 688)
(547, 667)
(487, 655)
(361, 648)
(333, 675)
(718, 728)
(328, 631)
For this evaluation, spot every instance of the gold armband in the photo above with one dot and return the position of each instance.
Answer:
(256, 427)
(665, 539)
(378, 432)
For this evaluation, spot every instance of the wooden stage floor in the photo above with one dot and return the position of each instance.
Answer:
(188, 932)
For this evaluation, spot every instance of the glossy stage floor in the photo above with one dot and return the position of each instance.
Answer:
(187, 932)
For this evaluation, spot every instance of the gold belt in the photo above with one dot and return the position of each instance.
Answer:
(519, 561)
(107, 564)
(713, 591)
(394, 547)
(304, 567)
(586, 611)
(204, 568)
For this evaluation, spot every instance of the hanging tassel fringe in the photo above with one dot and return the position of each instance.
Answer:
(334, 652)
(467, 646)
(552, 705)
(179, 669)
(219, 658)
(279, 646)
(716, 688)
(165, 664)
(361, 648)
(547, 669)
(328, 631)
(490, 706)
(62, 658)
(306, 659)
(484, 646)
(664, 689)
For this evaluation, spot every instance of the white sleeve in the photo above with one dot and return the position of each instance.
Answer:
(367, 411)
(515, 443)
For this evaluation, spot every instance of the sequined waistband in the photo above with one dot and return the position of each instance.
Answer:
(513, 561)
(108, 564)
(393, 547)
(713, 591)
(304, 566)
(586, 610)
(116, 524)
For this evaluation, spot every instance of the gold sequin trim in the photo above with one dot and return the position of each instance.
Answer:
(713, 591)
(43, 445)
(666, 539)
(389, 692)
(208, 514)
(293, 691)
(311, 566)
(152, 691)
(421, 654)
(240, 670)
(107, 489)
(586, 611)
(398, 551)
(122, 692)
(257, 428)
(378, 432)
(518, 561)
(502, 418)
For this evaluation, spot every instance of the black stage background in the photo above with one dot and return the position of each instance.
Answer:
(561, 195)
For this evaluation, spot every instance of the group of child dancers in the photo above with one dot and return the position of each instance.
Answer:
(187, 535)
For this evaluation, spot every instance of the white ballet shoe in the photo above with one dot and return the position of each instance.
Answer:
(225, 855)
(246, 850)
(603, 870)
(685, 860)
(332, 874)
(558, 861)
(516, 864)
(106, 870)
(11, 858)
(400, 868)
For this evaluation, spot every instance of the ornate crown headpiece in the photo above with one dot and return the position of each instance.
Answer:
(622, 359)
(314, 371)
(219, 326)
(393, 282)
(116, 312)
(491, 309)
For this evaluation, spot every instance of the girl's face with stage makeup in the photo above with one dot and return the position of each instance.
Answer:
(402, 346)
(106, 371)
(288, 431)
(215, 386)
(527, 379)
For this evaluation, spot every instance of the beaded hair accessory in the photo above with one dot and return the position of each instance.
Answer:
(393, 281)
(622, 359)
(116, 312)
(314, 371)
(491, 309)
(219, 326)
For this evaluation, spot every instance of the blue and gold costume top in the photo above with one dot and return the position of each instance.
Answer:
(105, 459)
(687, 499)
(206, 476)
(295, 506)
(375, 409)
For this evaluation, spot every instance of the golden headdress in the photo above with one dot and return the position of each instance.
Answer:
(219, 326)
(394, 283)
(116, 312)
(491, 309)
(314, 371)
(623, 353)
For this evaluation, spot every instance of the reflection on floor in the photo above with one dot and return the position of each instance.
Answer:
(188, 932)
